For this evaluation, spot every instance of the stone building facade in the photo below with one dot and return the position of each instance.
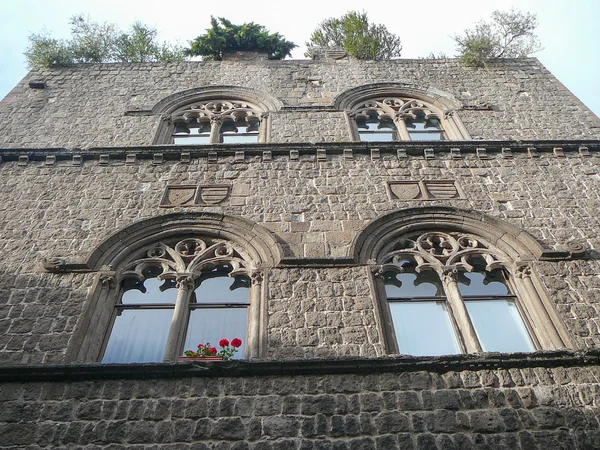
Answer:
(332, 193)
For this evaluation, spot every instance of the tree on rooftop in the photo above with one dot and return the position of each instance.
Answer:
(92, 42)
(509, 34)
(354, 34)
(223, 37)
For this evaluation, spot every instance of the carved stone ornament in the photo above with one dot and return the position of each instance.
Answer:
(213, 194)
(446, 253)
(179, 195)
(406, 190)
(220, 111)
(189, 195)
(182, 261)
(424, 190)
(576, 249)
(54, 264)
(392, 107)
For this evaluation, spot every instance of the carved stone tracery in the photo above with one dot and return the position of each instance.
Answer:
(446, 253)
(219, 111)
(390, 108)
(183, 261)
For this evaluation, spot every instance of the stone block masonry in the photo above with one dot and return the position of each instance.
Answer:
(106, 105)
(416, 403)
(94, 194)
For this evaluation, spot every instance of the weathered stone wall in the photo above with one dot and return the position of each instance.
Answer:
(528, 408)
(85, 105)
(316, 208)
(319, 302)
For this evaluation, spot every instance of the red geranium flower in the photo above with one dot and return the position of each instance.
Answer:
(236, 342)
(200, 345)
(213, 350)
(223, 343)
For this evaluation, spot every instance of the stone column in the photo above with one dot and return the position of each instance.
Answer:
(459, 310)
(545, 330)
(215, 129)
(185, 285)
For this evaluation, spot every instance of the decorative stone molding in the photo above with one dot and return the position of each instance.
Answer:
(54, 264)
(192, 195)
(425, 190)
(446, 253)
(179, 195)
(512, 241)
(213, 194)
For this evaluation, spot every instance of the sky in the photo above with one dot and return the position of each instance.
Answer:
(568, 31)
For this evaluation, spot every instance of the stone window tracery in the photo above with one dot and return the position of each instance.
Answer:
(218, 121)
(176, 294)
(454, 293)
(397, 118)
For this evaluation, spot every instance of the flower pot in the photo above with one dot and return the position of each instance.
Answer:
(199, 358)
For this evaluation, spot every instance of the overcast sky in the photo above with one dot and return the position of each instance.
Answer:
(568, 30)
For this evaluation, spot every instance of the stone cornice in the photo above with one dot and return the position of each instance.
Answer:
(455, 149)
(391, 364)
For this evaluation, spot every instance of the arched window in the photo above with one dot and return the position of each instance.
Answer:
(397, 119)
(451, 293)
(213, 115)
(450, 281)
(217, 121)
(175, 295)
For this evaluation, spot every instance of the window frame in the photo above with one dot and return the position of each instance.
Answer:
(216, 116)
(94, 330)
(186, 287)
(397, 109)
(461, 321)
(520, 279)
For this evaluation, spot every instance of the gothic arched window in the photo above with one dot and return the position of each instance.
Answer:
(218, 121)
(174, 295)
(398, 118)
(454, 293)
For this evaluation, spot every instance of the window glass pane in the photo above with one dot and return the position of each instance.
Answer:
(239, 139)
(413, 125)
(223, 290)
(376, 137)
(426, 136)
(138, 335)
(370, 126)
(483, 283)
(499, 326)
(213, 324)
(153, 293)
(191, 139)
(424, 328)
(410, 284)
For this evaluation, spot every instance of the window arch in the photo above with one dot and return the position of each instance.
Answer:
(397, 119)
(215, 114)
(397, 111)
(218, 121)
(453, 293)
(175, 295)
(455, 281)
(172, 282)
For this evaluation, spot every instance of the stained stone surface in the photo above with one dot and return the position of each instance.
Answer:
(86, 105)
(320, 303)
(512, 408)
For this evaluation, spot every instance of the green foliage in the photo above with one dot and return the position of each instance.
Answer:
(92, 42)
(223, 37)
(508, 35)
(44, 51)
(353, 33)
(141, 45)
